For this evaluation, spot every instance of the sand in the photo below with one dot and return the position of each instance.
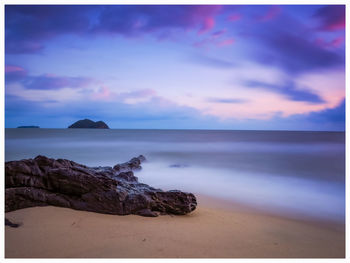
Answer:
(213, 230)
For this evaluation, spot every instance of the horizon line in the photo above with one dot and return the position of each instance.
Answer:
(183, 129)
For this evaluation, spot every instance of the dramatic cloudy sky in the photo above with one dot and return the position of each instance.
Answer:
(182, 67)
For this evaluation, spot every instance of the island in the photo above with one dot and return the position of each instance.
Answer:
(89, 124)
(28, 127)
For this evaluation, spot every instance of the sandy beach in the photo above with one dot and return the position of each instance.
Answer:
(214, 230)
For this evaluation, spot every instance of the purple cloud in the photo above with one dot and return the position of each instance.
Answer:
(219, 33)
(14, 73)
(336, 114)
(334, 43)
(234, 17)
(271, 13)
(331, 17)
(295, 50)
(43, 82)
(29, 26)
(52, 82)
(135, 20)
(327, 119)
(289, 90)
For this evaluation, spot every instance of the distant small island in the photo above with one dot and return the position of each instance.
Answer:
(28, 127)
(89, 124)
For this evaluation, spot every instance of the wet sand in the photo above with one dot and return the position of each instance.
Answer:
(214, 230)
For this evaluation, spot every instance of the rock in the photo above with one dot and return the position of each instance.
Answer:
(9, 223)
(89, 124)
(147, 212)
(133, 164)
(30, 127)
(44, 181)
(176, 165)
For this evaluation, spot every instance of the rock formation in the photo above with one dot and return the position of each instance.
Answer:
(10, 224)
(89, 124)
(44, 181)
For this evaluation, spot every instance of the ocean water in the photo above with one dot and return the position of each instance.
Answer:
(297, 174)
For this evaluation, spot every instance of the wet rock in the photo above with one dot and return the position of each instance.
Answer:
(178, 165)
(44, 181)
(133, 164)
(147, 212)
(9, 223)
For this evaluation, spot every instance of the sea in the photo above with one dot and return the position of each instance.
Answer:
(297, 174)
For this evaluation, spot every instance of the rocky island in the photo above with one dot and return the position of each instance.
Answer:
(89, 124)
(43, 181)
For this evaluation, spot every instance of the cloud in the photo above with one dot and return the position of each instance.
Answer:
(43, 82)
(13, 69)
(14, 73)
(271, 13)
(288, 90)
(141, 93)
(288, 43)
(334, 43)
(226, 100)
(219, 33)
(234, 17)
(212, 62)
(28, 27)
(52, 82)
(106, 94)
(336, 114)
(207, 25)
(332, 119)
(226, 42)
(295, 53)
(331, 18)
(135, 20)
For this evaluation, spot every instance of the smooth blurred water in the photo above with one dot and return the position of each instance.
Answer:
(297, 174)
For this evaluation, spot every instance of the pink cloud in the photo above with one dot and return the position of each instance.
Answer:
(335, 43)
(339, 25)
(234, 17)
(207, 25)
(272, 13)
(226, 42)
(103, 93)
(14, 69)
(331, 17)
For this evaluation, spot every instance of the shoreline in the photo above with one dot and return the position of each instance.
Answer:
(229, 205)
(218, 229)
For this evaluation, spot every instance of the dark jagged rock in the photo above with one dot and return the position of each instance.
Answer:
(176, 165)
(9, 223)
(29, 127)
(147, 212)
(89, 124)
(44, 181)
(133, 164)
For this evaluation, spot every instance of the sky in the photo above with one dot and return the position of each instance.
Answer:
(264, 67)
